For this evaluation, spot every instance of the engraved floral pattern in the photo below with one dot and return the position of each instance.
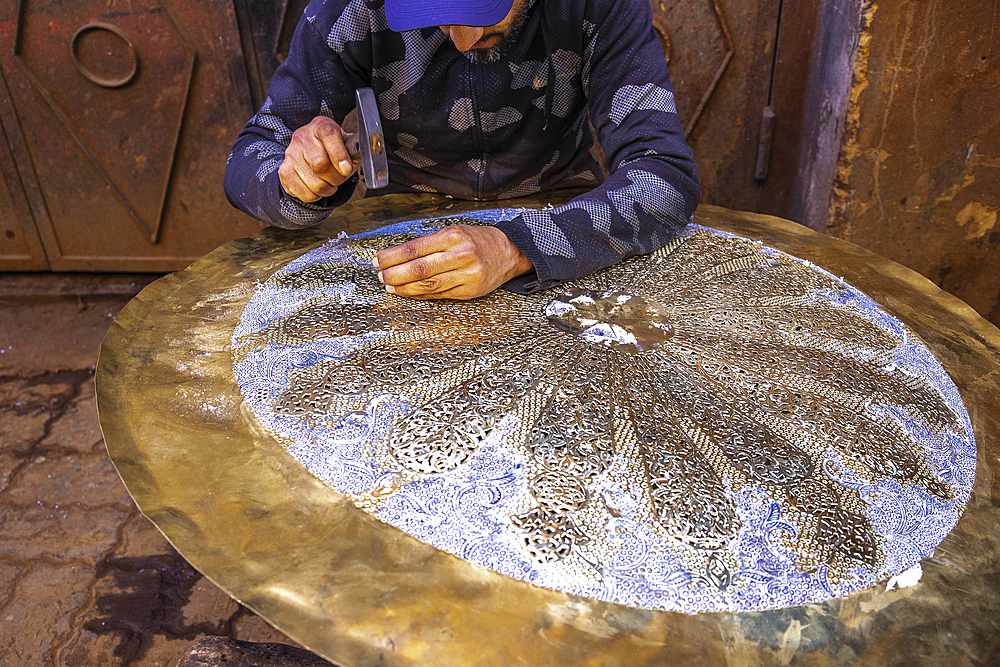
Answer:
(717, 426)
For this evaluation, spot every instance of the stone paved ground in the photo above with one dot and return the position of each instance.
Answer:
(85, 579)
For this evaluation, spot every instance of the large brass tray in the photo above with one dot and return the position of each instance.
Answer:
(359, 592)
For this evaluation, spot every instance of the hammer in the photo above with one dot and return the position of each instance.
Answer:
(367, 146)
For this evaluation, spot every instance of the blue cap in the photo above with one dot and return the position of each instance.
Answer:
(410, 14)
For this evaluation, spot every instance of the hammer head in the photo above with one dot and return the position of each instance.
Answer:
(371, 144)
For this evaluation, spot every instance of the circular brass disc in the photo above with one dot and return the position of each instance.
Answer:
(249, 516)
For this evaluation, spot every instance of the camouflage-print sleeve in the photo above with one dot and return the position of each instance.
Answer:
(317, 79)
(653, 189)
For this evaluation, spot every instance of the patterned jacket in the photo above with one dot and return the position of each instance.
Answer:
(489, 131)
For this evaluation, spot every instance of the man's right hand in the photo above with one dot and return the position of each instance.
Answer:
(316, 161)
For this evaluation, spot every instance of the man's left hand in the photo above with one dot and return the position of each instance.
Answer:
(457, 262)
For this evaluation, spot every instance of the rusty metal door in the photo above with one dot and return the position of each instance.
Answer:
(20, 246)
(729, 60)
(118, 117)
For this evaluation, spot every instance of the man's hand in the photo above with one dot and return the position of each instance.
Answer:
(316, 161)
(458, 262)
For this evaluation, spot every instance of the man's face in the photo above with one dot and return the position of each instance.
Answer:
(487, 44)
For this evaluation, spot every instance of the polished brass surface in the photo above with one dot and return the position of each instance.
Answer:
(257, 523)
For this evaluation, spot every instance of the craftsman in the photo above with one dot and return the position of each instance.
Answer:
(482, 100)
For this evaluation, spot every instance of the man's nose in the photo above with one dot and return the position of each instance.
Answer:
(463, 36)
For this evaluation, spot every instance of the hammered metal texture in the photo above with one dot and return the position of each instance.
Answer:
(716, 426)
(358, 591)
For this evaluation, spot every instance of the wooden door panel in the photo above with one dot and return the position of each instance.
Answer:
(20, 247)
(726, 135)
(720, 55)
(697, 45)
(128, 167)
(793, 150)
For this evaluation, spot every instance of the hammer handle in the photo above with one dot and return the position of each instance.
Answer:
(353, 144)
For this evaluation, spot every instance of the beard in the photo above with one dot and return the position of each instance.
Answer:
(483, 56)
(494, 53)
